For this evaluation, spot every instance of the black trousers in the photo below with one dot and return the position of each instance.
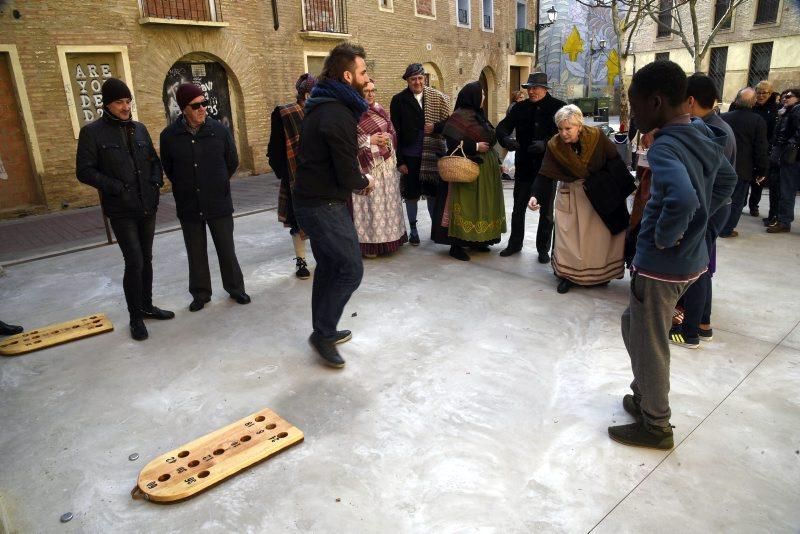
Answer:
(135, 239)
(544, 191)
(194, 235)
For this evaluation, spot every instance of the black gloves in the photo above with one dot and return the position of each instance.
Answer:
(537, 147)
(510, 143)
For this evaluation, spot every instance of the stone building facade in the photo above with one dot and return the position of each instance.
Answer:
(761, 42)
(246, 54)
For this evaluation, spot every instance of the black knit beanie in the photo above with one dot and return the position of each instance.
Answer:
(113, 90)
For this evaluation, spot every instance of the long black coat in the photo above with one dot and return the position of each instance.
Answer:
(200, 167)
(533, 122)
(750, 131)
(408, 120)
(769, 112)
(127, 173)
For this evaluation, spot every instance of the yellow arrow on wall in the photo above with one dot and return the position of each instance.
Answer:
(612, 64)
(573, 45)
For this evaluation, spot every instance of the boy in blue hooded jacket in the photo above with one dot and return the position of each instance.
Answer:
(691, 180)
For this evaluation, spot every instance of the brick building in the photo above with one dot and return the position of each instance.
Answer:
(246, 54)
(760, 42)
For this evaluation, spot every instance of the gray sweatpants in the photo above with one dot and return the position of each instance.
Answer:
(645, 329)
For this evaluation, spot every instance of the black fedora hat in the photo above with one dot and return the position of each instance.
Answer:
(537, 79)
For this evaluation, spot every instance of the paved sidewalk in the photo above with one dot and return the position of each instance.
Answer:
(40, 236)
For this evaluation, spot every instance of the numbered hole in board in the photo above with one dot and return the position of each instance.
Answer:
(194, 463)
(183, 454)
(203, 474)
(260, 418)
(245, 439)
(164, 477)
(282, 435)
(271, 426)
(218, 452)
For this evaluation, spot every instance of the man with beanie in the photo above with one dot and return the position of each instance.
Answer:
(116, 156)
(199, 158)
(417, 112)
(284, 143)
(327, 175)
(534, 121)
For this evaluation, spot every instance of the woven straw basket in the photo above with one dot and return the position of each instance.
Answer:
(460, 169)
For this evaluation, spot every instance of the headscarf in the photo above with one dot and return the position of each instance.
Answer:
(468, 120)
(305, 83)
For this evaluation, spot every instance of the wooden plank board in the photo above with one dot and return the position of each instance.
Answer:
(42, 338)
(189, 469)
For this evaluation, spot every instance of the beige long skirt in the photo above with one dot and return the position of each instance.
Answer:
(585, 251)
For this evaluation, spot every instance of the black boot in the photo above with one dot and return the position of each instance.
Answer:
(459, 253)
(157, 313)
(413, 238)
(9, 329)
(138, 330)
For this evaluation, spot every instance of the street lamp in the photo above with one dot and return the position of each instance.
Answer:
(601, 46)
(552, 17)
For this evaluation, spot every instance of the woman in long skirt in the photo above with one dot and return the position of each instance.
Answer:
(470, 214)
(586, 252)
(378, 217)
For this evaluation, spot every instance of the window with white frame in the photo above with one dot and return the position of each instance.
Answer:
(522, 15)
(487, 12)
(463, 15)
(386, 5)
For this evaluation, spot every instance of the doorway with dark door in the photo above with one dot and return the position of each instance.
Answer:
(18, 186)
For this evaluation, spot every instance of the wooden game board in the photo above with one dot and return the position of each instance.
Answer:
(42, 338)
(198, 465)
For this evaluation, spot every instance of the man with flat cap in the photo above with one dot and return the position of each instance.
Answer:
(534, 121)
(417, 113)
(199, 158)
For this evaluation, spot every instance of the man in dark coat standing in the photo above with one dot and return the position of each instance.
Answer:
(767, 105)
(199, 158)
(752, 159)
(116, 156)
(327, 175)
(533, 119)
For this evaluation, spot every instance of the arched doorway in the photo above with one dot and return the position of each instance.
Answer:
(211, 76)
(433, 76)
(488, 84)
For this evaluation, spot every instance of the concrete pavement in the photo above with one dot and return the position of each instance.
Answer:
(475, 398)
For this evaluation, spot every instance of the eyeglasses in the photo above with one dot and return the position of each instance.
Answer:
(197, 105)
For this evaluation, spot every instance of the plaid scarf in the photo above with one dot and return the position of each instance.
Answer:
(468, 124)
(436, 108)
(292, 118)
(375, 120)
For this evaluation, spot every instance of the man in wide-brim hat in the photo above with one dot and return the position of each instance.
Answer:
(533, 120)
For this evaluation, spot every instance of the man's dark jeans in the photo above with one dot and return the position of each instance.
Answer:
(738, 201)
(194, 236)
(334, 243)
(135, 238)
(523, 190)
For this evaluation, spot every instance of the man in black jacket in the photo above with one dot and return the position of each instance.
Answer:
(116, 156)
(533, 119)
(199, 158)
(752, 160)
(327, 175)
(767, 105)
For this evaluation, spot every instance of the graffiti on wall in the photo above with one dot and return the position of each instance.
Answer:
(565, 50)
(212, 79)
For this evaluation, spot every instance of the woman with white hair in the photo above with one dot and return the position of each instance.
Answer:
(589, 247)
